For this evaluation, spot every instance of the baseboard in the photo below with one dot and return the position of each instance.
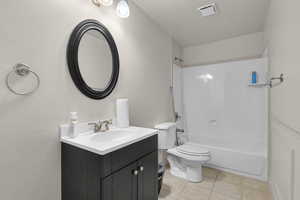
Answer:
(275, 192)
(261, 178)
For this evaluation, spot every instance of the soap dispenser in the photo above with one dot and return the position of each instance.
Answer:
(73, 123)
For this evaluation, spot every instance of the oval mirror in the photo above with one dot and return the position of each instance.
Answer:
(93, 59)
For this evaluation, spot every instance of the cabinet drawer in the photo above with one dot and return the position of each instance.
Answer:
(127, 155)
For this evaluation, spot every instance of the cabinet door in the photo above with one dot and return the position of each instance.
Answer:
(147, 178)
(121, 185)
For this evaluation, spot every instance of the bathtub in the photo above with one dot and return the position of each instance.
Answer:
(227, 116)
(247, 164)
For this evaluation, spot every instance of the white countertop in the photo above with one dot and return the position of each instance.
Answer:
(103, 143)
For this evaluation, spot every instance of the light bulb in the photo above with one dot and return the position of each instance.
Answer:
(123, 9)
(106, 2)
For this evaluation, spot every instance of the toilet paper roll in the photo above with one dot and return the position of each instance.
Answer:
(122, 113)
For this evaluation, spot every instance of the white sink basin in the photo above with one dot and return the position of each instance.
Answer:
(112, 140)
(111, 136)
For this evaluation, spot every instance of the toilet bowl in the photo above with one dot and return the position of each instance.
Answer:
(186, 161)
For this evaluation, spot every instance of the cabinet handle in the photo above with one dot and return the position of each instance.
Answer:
(135, 172)
(141, 168)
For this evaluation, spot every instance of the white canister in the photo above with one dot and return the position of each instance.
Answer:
(122, 113)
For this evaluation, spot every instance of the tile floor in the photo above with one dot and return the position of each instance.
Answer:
(217, 185)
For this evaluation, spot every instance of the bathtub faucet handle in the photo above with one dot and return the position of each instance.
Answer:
(179, 130)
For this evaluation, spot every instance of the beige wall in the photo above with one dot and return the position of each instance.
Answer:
(283, 40)
(238, 48)
(177, 50)
(37, 32)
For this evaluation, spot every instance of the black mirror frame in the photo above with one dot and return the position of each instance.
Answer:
(72, 59)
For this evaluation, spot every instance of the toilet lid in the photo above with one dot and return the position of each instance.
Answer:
(192, 149)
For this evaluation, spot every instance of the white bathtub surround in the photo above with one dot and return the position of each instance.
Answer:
(227, 117)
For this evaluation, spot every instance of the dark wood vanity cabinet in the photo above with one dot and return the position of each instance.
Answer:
(137, 181)
(129, 173)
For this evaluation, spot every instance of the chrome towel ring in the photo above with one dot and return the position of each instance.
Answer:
(22, 70)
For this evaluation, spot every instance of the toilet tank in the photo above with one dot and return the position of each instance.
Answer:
(166, 135)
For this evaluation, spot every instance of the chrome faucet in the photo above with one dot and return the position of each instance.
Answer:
(98, 126)
(106, 124)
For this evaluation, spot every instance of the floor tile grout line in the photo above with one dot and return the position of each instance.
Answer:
(212, 188)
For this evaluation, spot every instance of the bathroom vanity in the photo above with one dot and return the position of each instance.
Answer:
(118, 164)
(100, 166)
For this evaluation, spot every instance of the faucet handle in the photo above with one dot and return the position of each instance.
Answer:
(106, 124)
(96, 126)
(93, 124)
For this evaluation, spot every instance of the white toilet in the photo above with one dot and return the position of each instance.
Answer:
(185, 160)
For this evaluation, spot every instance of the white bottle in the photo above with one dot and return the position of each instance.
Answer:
(73, 123)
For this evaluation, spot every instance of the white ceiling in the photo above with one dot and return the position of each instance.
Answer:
(181, 19)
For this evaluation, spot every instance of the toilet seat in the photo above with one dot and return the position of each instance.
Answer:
(192, 149)
(187, 156)
(186, 161)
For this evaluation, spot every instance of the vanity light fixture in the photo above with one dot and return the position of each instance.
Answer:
(123, 10)
(103, 2)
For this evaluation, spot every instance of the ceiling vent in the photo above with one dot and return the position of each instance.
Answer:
(208, 10)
